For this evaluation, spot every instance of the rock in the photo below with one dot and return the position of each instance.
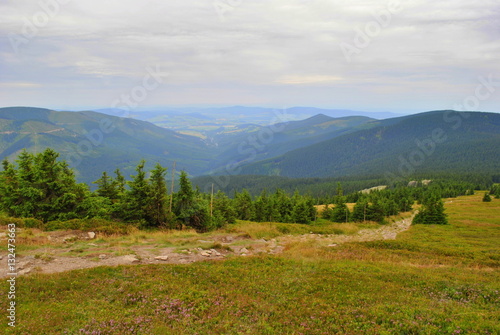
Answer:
(333, 245)
(91, 235)
(1, 257)
(103, 256)
(206, 253)
(23, 265)
(93, 245)
(162, 258)
(243, 251)
(215, 252)
(131, 258)
(228, 239)
(413, 183)
(70, 238)
(202, 241)
(24, 272)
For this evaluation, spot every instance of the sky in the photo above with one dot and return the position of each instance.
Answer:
(397, 55)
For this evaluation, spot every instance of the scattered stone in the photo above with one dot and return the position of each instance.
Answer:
(103, 256)
(1, 257)
(91, 235)
(215, 252)
(202, 241)
(23, 265)
(70, 238)
(24, 272)
(162, 258)
(131, 258)
(333, 245)
(93, 245)
(243, 251)
(206, 253)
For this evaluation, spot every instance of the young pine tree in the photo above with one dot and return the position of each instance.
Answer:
(487, 197)
(136, 204)
(432, 211)
(243, 205)
(158, 197)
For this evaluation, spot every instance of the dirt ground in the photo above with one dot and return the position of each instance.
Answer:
(61, 254)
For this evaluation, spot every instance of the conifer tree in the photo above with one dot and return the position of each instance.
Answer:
(487, 197)
(106, 187)
(158, 189)
(136, 204)
(243, 205)
(190, 207)
(340, 213)
(223, 210)
(432, 211)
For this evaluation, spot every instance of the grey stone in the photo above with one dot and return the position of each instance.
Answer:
(131, 258)
(161, 258)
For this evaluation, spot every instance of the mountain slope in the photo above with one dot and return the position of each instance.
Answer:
(433, 141)
(93, 142)
(252, 142)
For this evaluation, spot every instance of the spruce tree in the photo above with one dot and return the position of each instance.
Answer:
(243, 205)
(190, 207)
(340, 213)
(432, 211)
(158, 189)
(136, 204)
(487, 197)
(223, 210)
(106, 187)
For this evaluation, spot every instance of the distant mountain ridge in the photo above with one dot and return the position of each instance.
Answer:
(433, 141)
(318, 146)
(94, 142)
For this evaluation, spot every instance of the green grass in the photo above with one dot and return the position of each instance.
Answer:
(431, 280)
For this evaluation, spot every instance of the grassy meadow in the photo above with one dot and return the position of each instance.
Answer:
(430, 280)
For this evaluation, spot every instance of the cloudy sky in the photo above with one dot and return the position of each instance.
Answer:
(387, 55)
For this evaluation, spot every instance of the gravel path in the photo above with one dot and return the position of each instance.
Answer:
(144, 254)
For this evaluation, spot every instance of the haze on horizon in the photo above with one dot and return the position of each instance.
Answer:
(398, 56)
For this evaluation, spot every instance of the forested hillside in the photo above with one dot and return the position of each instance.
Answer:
(93, 142)
(433, 142)
(248, 143)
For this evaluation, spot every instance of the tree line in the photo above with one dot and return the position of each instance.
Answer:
(42, 187)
